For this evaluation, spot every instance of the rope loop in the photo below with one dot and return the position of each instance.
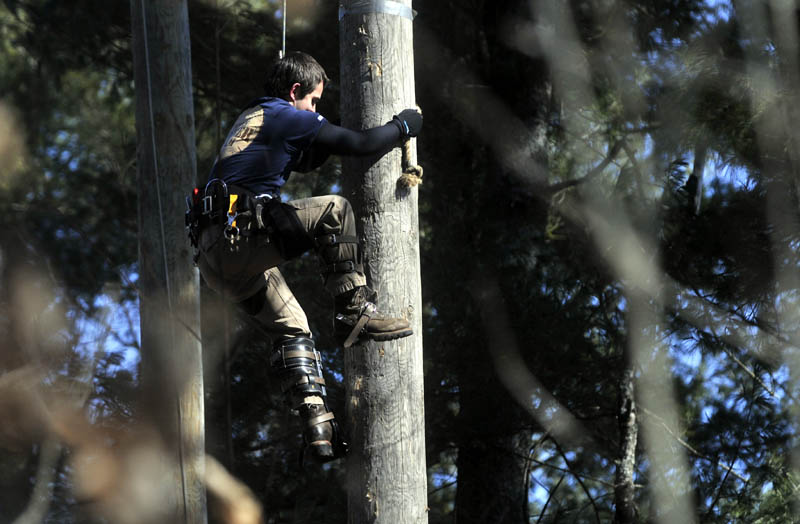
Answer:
(412, 174)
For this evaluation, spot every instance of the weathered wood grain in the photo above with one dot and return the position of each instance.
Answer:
(168, 281)
(384, 381)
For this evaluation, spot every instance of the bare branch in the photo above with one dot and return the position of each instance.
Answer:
(580, 481)
(587, 477)
(612, 153)
(549, 497)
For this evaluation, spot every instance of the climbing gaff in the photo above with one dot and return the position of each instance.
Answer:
(298, 366)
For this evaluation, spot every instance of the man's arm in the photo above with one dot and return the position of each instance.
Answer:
(341, 141)
(333, 139)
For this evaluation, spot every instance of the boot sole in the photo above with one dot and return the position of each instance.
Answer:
(391, 335)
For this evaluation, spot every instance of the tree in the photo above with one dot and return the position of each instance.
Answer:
(638, 90)
(386, 467)
(168, 281)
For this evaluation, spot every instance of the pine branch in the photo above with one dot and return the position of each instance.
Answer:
(729, 339)
(586, 477)
(730, 469)
(527, 477)
(612, 153)
(549, 497)
(631, 154)
(580, 481)
(746, 369)
(689, 447)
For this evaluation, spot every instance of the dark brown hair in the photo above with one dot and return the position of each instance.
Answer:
(294, 68)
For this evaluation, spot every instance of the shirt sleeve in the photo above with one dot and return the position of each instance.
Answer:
(302, 128)
(343, 141)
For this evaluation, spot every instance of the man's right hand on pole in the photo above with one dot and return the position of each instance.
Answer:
(409, 121)
(333, 139)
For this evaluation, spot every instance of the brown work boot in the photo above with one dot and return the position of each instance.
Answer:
(357, 317)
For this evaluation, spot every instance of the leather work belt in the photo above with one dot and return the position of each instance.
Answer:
(245, 214)
(236, 207)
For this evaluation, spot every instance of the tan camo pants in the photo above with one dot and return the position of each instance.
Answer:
(250, 265)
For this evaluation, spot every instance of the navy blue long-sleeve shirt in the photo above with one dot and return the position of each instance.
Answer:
(271, 138)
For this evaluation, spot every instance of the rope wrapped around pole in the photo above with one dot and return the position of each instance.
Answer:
(412, 174)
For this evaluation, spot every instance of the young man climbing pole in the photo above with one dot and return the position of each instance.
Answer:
(243, 231)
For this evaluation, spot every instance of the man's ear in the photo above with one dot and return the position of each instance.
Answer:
(293, 92)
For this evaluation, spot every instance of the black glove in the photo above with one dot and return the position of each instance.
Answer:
(409, 121)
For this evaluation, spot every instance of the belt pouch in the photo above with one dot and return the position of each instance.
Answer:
(293, 239)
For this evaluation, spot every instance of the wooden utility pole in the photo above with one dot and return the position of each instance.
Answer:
(384, 381)
(168, 282)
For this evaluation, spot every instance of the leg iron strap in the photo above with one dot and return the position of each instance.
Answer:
(337, 258)
(358, 317)
(367, 312)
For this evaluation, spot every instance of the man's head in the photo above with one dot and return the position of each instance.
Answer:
(297, 78)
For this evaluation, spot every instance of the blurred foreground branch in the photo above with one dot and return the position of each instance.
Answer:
(116, 474)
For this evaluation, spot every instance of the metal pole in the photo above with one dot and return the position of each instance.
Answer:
(283, 45)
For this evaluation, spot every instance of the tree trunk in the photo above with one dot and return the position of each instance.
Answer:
(384, 381)
(700, 153)
(168, 281)
(628, 434)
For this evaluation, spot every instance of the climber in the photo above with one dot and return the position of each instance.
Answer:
(243, 231)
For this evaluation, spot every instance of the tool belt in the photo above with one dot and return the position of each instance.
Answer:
(245, 214)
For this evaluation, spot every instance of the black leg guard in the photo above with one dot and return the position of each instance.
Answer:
(299, 367)
(340, 254)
